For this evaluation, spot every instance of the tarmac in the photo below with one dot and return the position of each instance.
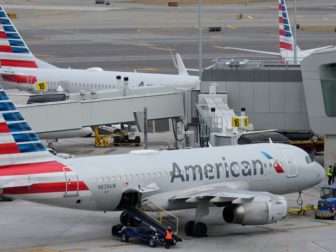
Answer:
(128, 36)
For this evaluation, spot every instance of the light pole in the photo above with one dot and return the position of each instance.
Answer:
(295, 51)
(200, 54)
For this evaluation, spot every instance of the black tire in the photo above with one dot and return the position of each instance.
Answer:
(116, 229)
(316, 217)
(124, 237)
(189, 228)
(137, 141)
(173, 242)
(124, 218)
(116, 141)
(151, 243)
(200, 229)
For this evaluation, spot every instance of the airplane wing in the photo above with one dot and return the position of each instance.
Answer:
(250, 50)
(217, 193)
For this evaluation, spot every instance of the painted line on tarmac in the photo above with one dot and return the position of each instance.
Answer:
(221, 47)
(162, 48)
(232, 27)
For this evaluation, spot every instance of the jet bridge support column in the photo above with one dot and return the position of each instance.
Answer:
(329, 150)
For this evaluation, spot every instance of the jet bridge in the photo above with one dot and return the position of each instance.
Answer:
(107, 107)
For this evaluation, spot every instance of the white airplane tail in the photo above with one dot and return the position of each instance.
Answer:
(22, 153)
(286, 39)
(14, 52)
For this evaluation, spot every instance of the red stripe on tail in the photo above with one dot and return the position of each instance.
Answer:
(5, 49)
(4, 128)
(9, 148)
(287, 46)
(3, 35)
(281, 20)
(18, 63)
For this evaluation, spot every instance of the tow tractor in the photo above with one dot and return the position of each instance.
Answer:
(326, 208)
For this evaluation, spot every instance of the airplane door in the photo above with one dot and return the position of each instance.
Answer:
(290, 163)
(71, 184)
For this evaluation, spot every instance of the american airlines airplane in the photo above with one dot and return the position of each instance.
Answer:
(286, 40)
(21, 69)
(244, 180)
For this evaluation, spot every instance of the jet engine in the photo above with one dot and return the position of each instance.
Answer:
(263, 209)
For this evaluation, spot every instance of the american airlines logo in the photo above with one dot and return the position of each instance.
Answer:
(217, 170)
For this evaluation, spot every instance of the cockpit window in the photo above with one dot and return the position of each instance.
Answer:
(308, 159)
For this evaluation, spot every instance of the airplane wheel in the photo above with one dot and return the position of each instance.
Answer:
(189, 228)
(151, 243)
(116, 229)
(124, 218)
(200, 229)
(124, 237)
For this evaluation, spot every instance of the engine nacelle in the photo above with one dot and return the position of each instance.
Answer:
(261, 210)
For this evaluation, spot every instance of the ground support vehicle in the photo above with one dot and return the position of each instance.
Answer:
(326, 208)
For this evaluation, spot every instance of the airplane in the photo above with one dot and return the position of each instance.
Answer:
(286, 40)
(244, 179)
(21, 69)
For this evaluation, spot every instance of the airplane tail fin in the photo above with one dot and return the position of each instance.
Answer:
(180, 65)
(286, 39)
(18, 143)
(23, 158)
(14, 52)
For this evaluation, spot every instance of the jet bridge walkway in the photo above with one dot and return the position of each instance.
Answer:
(107, 107)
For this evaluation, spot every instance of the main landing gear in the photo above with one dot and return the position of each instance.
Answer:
(197, 228)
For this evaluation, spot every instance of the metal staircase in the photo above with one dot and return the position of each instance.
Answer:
(160, 226)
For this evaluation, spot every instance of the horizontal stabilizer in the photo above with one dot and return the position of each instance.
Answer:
(251, 50)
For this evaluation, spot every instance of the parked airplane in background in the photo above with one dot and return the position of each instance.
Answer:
(21, 69)
(286, 40)
(243, 179)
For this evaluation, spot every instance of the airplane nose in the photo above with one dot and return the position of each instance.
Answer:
(321, 171)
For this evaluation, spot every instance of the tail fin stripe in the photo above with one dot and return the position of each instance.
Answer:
(18, 63)
(6, 106)
(5, 21)
(9, 148)
(3, 96)
(16, 43)
(12, 36)
(25, 137)
(4, 128)
(12, 117)
(9, 28)
(6, 48)
(18, 127)
(31, 147)
(286, 46)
